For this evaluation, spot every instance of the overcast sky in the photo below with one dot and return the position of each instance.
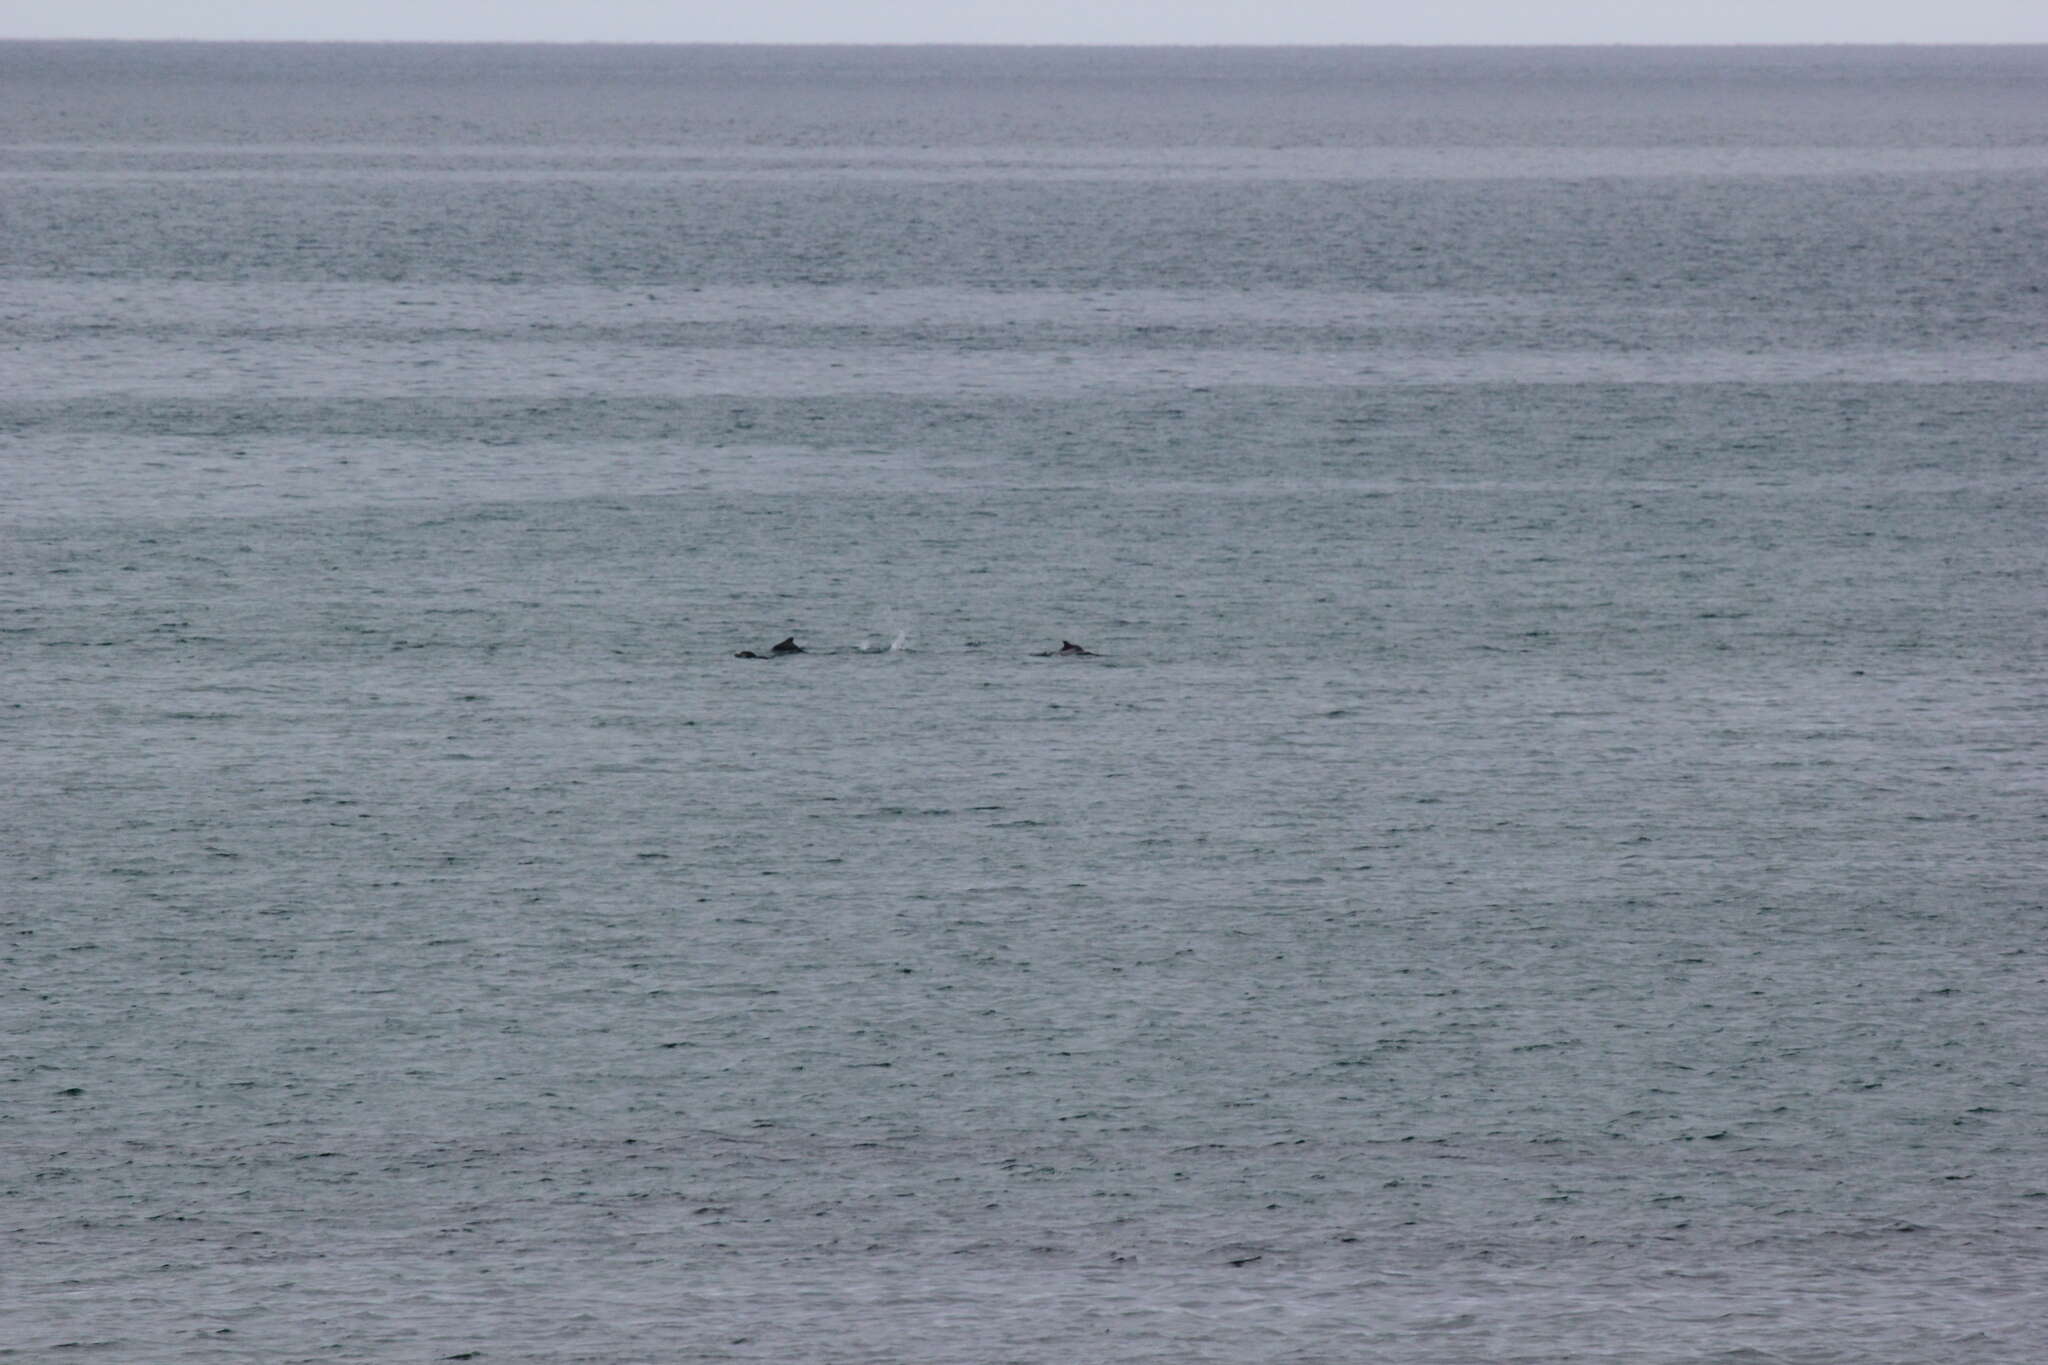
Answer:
(1043, 21)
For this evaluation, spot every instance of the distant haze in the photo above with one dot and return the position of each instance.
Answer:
(1060, 21)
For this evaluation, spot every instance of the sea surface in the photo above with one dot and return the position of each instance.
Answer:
(1545, 861)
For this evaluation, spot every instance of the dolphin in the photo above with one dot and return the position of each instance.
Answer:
(788, 646)
(1068, 650)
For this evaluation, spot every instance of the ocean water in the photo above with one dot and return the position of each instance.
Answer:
(1544, 862)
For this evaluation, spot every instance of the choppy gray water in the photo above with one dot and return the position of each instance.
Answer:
(1546, 866)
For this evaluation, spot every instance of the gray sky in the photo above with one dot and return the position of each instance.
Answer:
(1044, 21)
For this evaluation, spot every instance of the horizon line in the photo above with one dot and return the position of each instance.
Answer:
(966, 43)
